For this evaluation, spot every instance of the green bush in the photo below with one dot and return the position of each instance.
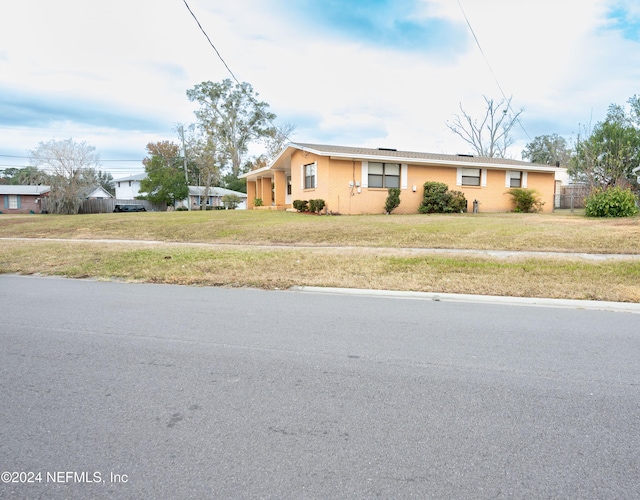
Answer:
(612, 202)
(301, 205)
(457, 201)
(257, 202)
(393, 200)
(316, 206)
(526, 200)
(438, 199)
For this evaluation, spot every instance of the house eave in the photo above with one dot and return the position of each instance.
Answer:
(453, 162)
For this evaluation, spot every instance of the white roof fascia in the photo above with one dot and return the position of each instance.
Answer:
(452, 163)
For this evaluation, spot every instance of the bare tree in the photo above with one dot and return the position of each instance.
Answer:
(280, 136)
(489, 136)
(69, 165)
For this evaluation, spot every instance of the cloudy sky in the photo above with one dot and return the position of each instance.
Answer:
(376, 73)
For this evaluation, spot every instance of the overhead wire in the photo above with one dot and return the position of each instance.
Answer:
(210, 42)
(242, 88)
(486, 60)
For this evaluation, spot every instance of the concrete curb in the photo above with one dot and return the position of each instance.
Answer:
(594, 305)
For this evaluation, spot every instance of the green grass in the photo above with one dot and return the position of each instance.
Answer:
(278, 250)
(538, 232)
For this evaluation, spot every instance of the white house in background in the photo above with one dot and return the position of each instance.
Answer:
(214, 199)
(128, 188)
(637, 172)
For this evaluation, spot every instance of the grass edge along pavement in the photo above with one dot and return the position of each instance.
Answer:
(362, 268)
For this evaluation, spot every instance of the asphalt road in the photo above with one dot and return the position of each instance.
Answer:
(114, 390)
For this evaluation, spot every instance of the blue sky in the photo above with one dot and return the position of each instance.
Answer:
(376, 73)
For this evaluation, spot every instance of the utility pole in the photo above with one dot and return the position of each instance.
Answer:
(184, 157)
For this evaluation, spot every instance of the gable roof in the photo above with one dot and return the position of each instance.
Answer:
(24, 189)
(95, 192)
(395, 156)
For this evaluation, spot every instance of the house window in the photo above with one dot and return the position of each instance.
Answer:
(515, 179)
(13, 202)
(384, 175)
(288, 184)
(310, 176)
(470, 176)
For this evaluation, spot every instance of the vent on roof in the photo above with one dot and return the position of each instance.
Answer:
(387, 149)
(465, 155)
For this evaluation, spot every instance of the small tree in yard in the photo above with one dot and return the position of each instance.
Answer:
(165, 181)
(393, 200)
(526, 200)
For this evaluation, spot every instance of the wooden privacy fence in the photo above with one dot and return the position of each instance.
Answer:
(571, 196)
(106, 205)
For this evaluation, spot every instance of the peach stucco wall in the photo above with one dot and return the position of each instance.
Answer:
(338, 179)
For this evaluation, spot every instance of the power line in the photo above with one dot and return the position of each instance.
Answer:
(101, 160)
(490, 69)
(210, 42)
(242, 89)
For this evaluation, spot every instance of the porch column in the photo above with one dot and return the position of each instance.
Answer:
(251, 193)
(259, 188)
(280, 184)
(267, 197)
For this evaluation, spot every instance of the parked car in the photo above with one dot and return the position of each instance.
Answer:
(129, 208)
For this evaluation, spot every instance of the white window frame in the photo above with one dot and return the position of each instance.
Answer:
(303, 175)
(13, 202)
(510, 175)
(482, 181)
(384, 175)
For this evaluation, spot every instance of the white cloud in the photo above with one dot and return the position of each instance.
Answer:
(561, 62)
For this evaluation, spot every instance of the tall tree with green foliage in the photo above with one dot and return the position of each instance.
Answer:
(548, 149)
(24, 175)
(69, 166)
(165, 181)
(606, 156)
(232, 114)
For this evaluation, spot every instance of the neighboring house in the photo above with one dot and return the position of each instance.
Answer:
(95, 193)
(196, 193)
(637, 172)
(355, 180)
(22, 199)
(128, 188)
